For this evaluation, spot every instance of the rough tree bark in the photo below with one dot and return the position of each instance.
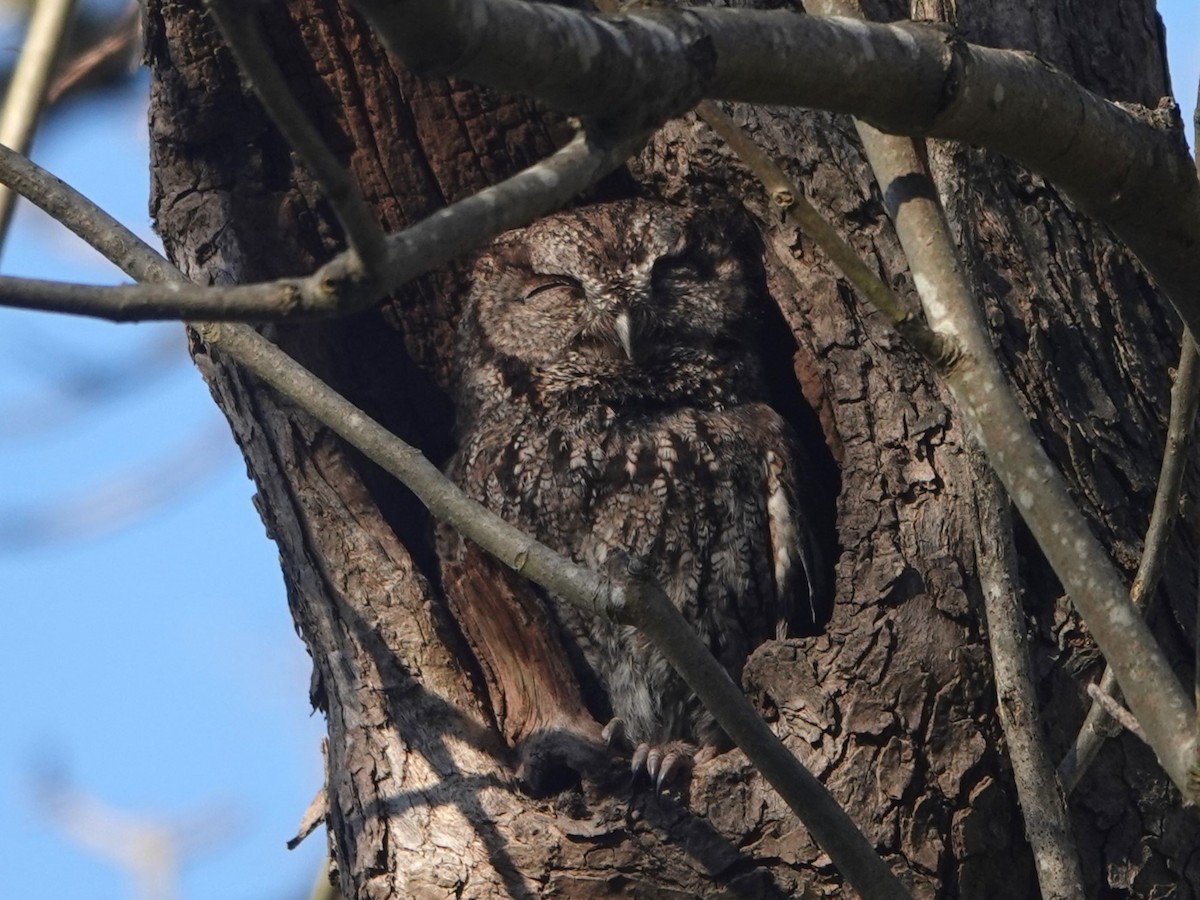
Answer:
(893, 706)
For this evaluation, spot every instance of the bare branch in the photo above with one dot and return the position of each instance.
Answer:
(119, 47)
(65, 205)
(338, 287)
(954, 315)
(1077, 557)
(1185, 400)
(993, 417)
(637, 70)
(790, 199)
(1043, 804)
(1185, 397)
(313, 817)
(1127, 168)
(238, 22)
(640, 604)
(31, 79)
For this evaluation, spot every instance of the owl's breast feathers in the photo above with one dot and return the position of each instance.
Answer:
(707, 497)
(583, 387)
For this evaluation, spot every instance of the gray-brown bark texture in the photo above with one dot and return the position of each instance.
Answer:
(893, 705)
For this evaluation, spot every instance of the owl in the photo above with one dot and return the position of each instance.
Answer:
(611, 403)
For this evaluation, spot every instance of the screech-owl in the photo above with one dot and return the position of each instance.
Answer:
(611, 400)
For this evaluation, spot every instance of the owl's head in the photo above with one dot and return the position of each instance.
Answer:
(617, 303)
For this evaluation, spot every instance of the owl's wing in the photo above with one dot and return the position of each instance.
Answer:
(528, 676)
(798, 566)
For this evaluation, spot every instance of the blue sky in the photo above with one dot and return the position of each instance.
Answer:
(155, 664)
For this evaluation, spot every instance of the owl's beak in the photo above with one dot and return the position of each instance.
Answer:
(623, 326)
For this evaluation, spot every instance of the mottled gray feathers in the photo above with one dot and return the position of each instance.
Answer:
(611, 401)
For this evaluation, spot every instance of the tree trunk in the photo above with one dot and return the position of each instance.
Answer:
(893, 706)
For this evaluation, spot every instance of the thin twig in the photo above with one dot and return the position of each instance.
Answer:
(782, 192)
(337, 288)
(313, 817)
(1185, 397)
(789, 198)
(901, 169)
(239, 25)
(993, 417)
(124, 39)
(30, 80)
(1115, 711)
(93, 225)
(1043, 804)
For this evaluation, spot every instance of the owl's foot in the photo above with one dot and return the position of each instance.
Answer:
(666, 764)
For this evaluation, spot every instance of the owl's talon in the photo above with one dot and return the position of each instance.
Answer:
(673, 765)
(654, 762)
(640, 755)
(665, 764)
(613, 734)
